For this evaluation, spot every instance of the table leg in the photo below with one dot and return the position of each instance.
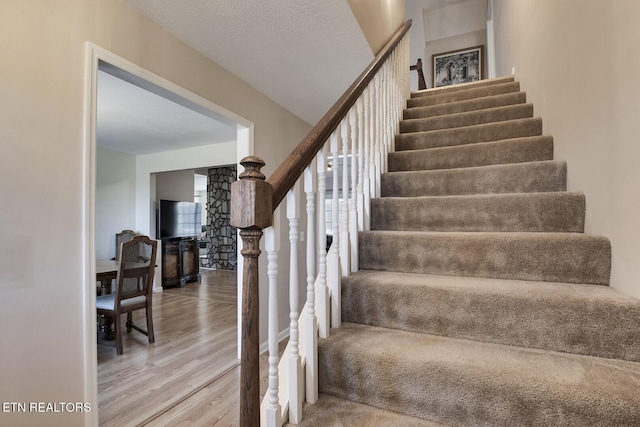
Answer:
(106, 323)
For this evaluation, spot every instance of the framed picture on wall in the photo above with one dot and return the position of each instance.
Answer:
(458, 66)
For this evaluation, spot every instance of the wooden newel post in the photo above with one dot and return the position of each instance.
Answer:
(251, 212)
(422, 84)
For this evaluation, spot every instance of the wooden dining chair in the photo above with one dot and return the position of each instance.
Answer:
(134, 285)
(121, 237)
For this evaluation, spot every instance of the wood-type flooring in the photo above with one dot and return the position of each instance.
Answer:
(190, 375)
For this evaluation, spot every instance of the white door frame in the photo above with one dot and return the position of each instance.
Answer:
(245, 147)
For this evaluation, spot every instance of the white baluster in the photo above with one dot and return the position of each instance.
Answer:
(373, 136)
(345, 250)
(353, 199)
(392, 94)
(378, 136)
(386, 106)
(311, 325)
(383, 119)
(395, 97)
(407, 61)
(333, 266)
(361, 162)
(322, 292)
(295, 366)
(397, 93)
(366, 178)
(272, 246)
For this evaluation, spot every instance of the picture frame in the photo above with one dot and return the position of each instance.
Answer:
(458, 66)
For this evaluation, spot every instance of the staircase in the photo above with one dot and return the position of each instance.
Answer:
(480, 300)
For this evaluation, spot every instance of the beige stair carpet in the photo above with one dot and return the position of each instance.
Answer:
(480, 300)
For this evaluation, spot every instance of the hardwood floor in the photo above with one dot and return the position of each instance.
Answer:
(216, 404)
(194, 355)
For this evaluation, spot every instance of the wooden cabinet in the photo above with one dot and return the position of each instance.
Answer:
(180, 262)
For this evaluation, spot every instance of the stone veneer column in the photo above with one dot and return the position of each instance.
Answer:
(221, 236)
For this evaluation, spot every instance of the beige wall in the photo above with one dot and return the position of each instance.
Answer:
(42, 133)
(378, 19)
(175, 185)
(455, 19)
(577, 61)
(115, 199)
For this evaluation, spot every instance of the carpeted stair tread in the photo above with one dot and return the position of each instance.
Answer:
(468, 383)
(441, 97)
(549, 257)
(461, 86)
(575, 318)
(469, 134)
(332, 411)
(470, 118)
(516, 150)
(530, 177)
(465, 106)
(524, 212)
(446, 95)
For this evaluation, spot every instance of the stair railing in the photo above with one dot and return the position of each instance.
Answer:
(349, 143)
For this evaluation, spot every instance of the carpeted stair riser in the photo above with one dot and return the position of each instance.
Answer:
(574, 318)
(548, 257)
(459, 87)
(561, 212)
(471, 118)
(467, 383)
(531, 177)
(465, 106)
(331, 411)
(469, 134)
(462, 95)
(516, 150)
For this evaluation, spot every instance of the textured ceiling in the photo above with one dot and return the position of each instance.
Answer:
(302, 54)
(136, 121)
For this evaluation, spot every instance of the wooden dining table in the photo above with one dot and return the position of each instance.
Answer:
(106, 272)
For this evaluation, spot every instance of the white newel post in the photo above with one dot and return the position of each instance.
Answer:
(333, 272)
(311, 324)
(296, 385)
(272, 246)
(322, 292)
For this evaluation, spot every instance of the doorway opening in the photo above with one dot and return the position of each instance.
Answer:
(141, 211)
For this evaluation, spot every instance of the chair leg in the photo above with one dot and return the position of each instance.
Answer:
(150, 333)
(117, 323)
(129, 321)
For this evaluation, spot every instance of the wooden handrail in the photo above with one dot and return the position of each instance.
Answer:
(286, 175)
